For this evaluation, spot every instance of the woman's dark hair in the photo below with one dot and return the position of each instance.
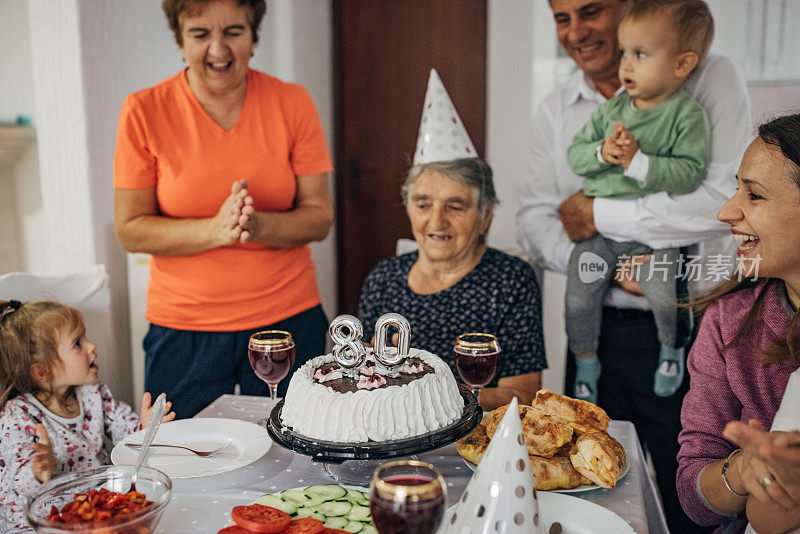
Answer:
(783, 135)
(175, 10)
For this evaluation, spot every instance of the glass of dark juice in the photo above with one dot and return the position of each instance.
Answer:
(271, 354)
(476, 356)
(407, 497)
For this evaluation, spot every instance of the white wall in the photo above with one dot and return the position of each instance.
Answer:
(522, 67)
(16, 75)
(21, 233)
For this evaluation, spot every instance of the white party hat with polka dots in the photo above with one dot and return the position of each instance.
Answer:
(442, 136)
(501, 496)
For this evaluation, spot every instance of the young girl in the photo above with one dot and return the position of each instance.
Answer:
(55, 417)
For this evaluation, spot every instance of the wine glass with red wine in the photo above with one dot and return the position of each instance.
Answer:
(407, 497)
(476, 357)
(271, 354)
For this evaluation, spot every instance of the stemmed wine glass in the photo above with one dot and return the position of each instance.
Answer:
(407, 497)
(271, 355)
(476, 357)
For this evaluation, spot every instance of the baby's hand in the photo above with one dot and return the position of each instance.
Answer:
(611, 150)
(147, 411)
(627, 145)
(44, 459)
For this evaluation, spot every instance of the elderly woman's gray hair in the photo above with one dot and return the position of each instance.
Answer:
(472, 172)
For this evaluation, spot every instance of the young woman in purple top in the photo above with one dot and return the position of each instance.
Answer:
(747, 345)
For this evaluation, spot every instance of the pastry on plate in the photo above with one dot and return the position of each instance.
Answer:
(598, 457)
(544, 435)
(472, 446)
(556, 472)
(581, 415)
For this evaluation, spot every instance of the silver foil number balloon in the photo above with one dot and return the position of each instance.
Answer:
(382, 354)
(346, 332)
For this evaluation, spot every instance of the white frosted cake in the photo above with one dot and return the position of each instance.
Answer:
(328, 402)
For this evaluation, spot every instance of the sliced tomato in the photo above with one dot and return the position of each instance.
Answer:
(260, 518)
(235, 529)
(307, 525)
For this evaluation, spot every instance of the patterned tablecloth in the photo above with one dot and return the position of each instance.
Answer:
(204, 504)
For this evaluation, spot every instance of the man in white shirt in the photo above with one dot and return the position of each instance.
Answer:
(554, 214)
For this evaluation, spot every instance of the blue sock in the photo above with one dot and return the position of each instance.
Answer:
(587, 372)
(669, 373)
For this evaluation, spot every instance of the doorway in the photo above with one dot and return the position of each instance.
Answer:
(383, 53)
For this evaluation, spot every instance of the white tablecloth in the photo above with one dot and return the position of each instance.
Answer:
(204, 504)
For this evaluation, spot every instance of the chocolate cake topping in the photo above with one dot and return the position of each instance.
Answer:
(347, 383)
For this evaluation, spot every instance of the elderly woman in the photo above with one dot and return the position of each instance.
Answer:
(455, 284)
(747, 346)
(221, 175)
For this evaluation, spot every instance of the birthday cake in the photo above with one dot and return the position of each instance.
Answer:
(372, 402)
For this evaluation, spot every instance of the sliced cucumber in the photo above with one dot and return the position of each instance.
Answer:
(334, 508)
(325, 492)
(298, 498)
(335, 522)
(306, 511)
(359, 513)
(354, 496)
(354, 526)
(276, 502)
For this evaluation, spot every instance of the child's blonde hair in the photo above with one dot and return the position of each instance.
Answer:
(691, 19)
(29, 334)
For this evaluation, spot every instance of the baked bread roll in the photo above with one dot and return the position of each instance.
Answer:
(544, 435)
(598, 457)
(579, 414)
(556, 472)
(472, 446)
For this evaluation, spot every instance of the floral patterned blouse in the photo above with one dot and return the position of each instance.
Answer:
(499, 296)
(78, 442)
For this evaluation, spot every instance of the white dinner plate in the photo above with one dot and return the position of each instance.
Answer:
(249, 442)
(576, 516)
(577, 489)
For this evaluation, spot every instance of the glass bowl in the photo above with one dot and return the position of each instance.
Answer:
(153, 483)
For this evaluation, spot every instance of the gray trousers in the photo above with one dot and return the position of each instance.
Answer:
(592, 268)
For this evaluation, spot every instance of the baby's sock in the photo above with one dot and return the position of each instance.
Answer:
(669, 373)
(587, 372)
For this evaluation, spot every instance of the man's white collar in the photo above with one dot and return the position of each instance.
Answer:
(581, 87)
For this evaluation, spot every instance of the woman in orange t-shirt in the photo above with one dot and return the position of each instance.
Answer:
(220, 174)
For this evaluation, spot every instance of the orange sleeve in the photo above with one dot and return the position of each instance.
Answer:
(309, 150)
(134, 165)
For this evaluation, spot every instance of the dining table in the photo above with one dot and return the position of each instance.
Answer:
(203, 504)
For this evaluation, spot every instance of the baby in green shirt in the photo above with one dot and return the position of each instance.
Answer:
(652, 138)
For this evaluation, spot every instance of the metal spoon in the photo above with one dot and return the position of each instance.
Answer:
(159, 407)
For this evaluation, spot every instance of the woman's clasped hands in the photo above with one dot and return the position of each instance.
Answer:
(769, 467)
(234, 221)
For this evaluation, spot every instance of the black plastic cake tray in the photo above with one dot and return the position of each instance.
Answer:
(333, 452)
